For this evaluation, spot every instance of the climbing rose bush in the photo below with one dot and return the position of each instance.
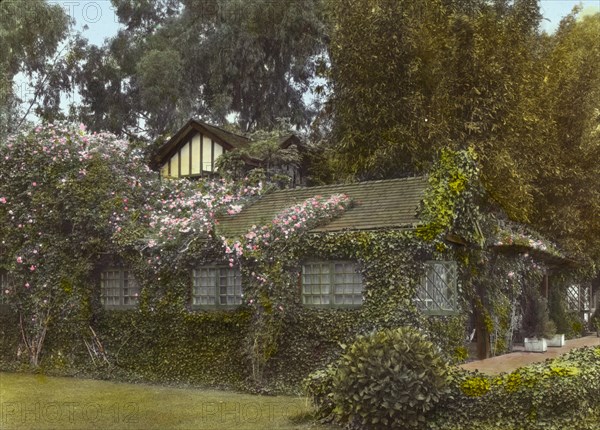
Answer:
(267, 280)
(64, 194)
(289, 222)
(189, 209)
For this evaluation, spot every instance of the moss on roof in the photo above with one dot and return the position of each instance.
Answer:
(376, 205)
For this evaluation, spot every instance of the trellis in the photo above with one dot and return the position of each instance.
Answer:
(579, 299)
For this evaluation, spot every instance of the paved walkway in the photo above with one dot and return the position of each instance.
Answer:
(514, 360)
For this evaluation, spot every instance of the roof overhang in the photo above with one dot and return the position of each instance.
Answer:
(167, 149)
(552, 260)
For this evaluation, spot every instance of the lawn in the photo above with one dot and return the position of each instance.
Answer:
(41, 402)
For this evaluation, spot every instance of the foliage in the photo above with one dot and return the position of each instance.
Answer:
(595, 320)
(536, 320)
(265, 150)
(319, 386)
(477, 75)
(570, 95)
(30, 34)
(182, 216)
(63, 194)
(391, 378)
(264, 254)
(450, 202)
(558, 393)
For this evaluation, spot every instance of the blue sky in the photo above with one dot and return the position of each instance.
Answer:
(101, 20)
(555, 10)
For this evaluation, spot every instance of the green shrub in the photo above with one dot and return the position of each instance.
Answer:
(555, 394)
(319, 386)
(389, 379)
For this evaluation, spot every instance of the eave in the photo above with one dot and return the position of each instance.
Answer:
(192, 127)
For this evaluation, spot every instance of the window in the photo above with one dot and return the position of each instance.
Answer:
(438, 292)
(578, 297)
(5, 288)
(335, 283)
(217, 286)
(118, 288)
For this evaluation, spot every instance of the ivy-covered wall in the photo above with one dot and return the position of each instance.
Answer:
(252, 347)
(163, 340)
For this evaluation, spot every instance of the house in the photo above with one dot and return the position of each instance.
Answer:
(431, 284)
(193, 150)
(390, 207)
(368, 268)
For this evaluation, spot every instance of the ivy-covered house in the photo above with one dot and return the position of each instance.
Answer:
(291, 275)
(377, 258)
(300, 271)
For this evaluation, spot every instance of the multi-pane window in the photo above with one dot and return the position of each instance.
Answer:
(337, 283)
(217, 286)
(438, 291)
(578, 297)
(118, 288)
(5, 287)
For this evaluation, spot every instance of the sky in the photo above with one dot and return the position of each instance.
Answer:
(554, 10)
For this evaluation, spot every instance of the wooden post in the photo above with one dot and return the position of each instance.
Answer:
(484, 347)
(545, 286)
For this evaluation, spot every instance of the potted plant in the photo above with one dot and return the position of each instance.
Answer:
(556, 341)
(537, 326)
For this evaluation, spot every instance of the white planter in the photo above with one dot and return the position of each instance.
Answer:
(557, 340)
(533, 344)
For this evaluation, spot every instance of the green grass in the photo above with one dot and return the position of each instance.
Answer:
(42, 402)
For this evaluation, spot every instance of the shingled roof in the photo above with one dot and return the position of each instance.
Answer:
(376, 205)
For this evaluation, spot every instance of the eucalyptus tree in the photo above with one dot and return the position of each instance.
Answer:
(30, 35)
(209, 59)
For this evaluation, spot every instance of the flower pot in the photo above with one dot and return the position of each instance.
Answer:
(557, 340)
(533, 344)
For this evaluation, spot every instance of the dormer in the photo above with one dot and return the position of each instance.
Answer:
(193, 150)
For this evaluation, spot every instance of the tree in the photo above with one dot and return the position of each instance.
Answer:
(386, 64)
(569, 184)
(30, 34)
(208, 59)
(429, 76)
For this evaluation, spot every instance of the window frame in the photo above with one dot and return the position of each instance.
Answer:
(578, 297)
(121, 288)
(217, 305)
(452, 285)
(332, 285)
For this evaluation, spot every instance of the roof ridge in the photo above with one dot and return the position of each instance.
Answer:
(204, 123)
(359, 183)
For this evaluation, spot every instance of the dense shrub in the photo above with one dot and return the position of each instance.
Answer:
(319, 386)
(559, 393)
(389, 379)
